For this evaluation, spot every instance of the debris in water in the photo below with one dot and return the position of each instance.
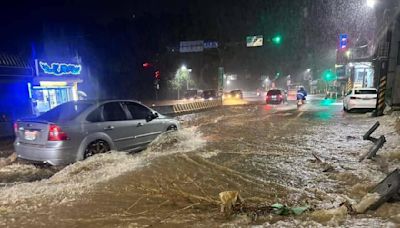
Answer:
(281, 209)
(326, 167)
(350, 138)
(233, 203)
(228, 200)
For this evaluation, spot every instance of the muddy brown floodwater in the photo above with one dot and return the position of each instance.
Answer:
(264, 152)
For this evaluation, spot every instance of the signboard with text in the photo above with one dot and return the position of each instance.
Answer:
(47, 68)
(254, 41)
(191, 46)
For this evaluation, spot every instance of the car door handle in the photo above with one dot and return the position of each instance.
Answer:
(139, 125)
(109, 128)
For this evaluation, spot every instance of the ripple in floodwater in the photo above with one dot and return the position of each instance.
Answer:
(77, 178)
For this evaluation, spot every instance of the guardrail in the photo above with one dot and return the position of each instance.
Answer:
(187, 107)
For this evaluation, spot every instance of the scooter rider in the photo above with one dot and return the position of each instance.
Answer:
(301, 95)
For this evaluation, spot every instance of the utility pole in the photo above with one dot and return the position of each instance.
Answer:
(382, 58)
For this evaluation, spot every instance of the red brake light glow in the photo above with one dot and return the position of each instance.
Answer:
(56, 134)
(16, 127)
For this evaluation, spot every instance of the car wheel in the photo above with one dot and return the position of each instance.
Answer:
(96, 147)
(172, 128)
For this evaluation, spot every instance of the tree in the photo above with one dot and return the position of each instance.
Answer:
(181, 76)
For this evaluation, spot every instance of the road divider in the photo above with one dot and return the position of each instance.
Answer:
(177, 109)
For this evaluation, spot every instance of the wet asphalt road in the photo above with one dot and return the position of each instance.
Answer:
(263, 151)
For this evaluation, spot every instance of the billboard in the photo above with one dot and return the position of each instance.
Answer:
(254, 41)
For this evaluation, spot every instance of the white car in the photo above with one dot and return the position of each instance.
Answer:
(360, 98)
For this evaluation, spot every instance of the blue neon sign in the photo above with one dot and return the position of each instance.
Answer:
(60, 68)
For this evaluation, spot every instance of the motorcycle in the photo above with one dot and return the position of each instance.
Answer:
(300, 103)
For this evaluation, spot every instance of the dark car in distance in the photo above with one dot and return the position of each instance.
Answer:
(210, 94)
(275, 96)
(238, 94)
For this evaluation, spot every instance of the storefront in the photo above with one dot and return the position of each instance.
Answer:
(55, 83)
(362, 74)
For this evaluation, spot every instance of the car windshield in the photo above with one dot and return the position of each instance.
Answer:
(274, 92)
(364, 91)
(64, 112)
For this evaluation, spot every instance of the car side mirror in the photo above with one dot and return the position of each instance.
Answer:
(151, 116)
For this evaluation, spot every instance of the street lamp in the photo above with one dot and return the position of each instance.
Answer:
(371, 3)
(348, 53)
(184, 68)
(308, 70)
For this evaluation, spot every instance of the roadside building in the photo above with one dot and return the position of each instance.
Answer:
(55, 82)
(15, 77)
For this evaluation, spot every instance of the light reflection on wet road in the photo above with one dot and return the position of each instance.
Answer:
(263, 151)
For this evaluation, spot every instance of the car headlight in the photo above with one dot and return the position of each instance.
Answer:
(229, 96)
(237, 95)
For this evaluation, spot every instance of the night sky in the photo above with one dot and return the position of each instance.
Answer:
(114, 38)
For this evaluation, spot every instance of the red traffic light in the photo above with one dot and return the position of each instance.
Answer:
(157, 74)
(146, 65)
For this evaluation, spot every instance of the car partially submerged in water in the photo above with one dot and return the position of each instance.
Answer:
(79, 129)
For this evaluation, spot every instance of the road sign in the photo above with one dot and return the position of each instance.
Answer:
(191, 46)
(343, 39)
(254, 41)
(210, 44)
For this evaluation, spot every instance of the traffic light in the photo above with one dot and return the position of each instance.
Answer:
(343, 40)
(328, 75)
(277, 39)
(146, 65)
(157, 75)
(277, 75)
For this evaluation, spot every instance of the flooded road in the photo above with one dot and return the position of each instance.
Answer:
(265, 152)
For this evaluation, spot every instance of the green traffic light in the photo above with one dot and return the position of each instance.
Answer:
(277, 39)
(328, 75)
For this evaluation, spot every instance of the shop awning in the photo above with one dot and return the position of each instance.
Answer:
(14, 66)
(67, 79)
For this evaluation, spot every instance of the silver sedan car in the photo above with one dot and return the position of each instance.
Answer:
(76, 130)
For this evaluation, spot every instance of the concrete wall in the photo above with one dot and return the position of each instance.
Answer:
(394, 66)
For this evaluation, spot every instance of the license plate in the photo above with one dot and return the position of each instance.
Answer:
(30, 135)
(274, 97)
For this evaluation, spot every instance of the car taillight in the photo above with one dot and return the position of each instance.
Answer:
(56, 134)
(16, 127)
(280, 96)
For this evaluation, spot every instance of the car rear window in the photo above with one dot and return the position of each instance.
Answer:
(274, 92)
(64, 112)
(365, 91)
